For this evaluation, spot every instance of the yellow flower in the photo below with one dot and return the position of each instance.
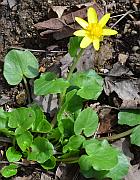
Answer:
(93, 30)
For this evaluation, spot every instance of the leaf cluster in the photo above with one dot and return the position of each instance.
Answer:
(72, 138)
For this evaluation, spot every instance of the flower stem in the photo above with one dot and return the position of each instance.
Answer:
(75, 61)
(62, 96)
(117, 136)
(69, 160)
(27, 89)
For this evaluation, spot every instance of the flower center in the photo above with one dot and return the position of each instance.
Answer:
(94, 30)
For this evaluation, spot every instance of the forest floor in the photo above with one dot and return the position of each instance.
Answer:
(118, 61)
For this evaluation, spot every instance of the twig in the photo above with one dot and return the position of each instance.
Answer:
(37, 50)
(121, 15)
(128, 12)
(5, 140)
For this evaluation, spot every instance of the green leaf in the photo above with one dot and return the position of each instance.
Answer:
(44, 126)
(74, 143)
(54, 134)
(24, 139)
(3, 120)
(103, 156)
(8, 171)
(120, 170)
(40, 124)
(45, 85)
(68, 97)
(87, 170)
(68, 126)
(41, 150)
(13, 155)
(89, 82)
(135, 136)
(3, 114)
(85, 163)
(74, 45)
(18, 64)
(39, 116)
(86, 122)
(49, 164)
(21, 117)
(75, 103)
(131, 117)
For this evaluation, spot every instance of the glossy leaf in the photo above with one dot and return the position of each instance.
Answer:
(86, 122)
(40, 124)
(87, 170)
(62, 110)
(49, 164)
(68, 127)
(8, 171)
(103, 156)
(74, 143)
(129, 117)
(74, 45)
(13, 155)
(39, 116)
(41, 150)
(21, 117)
(18, 64)
(120, 170)
(135, 136)
(24, 139)
(90, 84)
(45, 85)
(75, 103)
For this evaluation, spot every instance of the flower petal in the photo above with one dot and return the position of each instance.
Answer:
(104, 20)
(82, 22)
(80, 33)
(92, 15)
(96, 44)
(86, 41)
(109, 32)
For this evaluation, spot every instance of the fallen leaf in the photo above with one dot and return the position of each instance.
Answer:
(59, 10)
(65, 26)
(126, 88)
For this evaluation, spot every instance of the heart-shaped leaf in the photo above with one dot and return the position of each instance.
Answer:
(18, 64)
(8, 171)
(46, 85)
(89, 82)
(74, 143)
(40, 124)
(86, 122)
(102, 155)
(41, 150)
(13, 155)
(49, 164)
(120, 170)
(24, 139)
(21, 117)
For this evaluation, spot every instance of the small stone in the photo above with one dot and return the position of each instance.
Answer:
(135, 48)
(133, 32)
(122, 58)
